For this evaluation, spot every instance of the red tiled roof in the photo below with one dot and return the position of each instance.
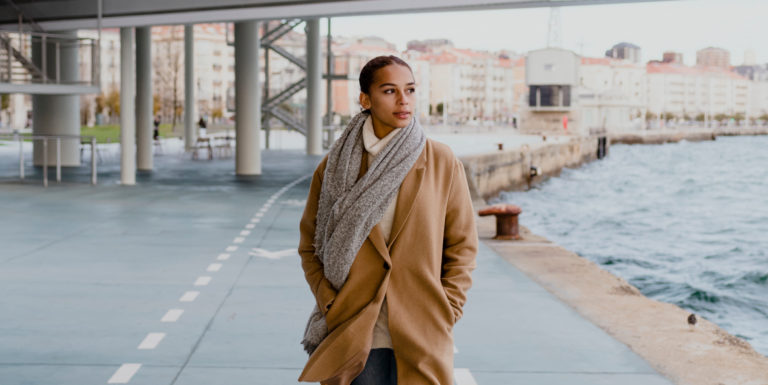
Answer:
(665, 68)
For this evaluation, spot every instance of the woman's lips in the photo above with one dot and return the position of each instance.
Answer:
(402, 115)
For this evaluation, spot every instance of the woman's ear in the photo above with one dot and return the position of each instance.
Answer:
(365, 101)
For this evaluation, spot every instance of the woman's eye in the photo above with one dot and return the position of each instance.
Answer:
(389, 91)
(411, 90)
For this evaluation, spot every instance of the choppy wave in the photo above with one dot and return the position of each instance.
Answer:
(686, 223)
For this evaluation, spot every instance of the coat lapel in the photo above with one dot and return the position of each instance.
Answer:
(409, 192)
(377, 239)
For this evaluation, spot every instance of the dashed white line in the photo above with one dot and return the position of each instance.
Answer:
(172, 315)
(214, 267)
(463, 377)
(189, 296)
(259, 215)
(250, 226)
(124, 374)
(223, 257)
(238, 240)
(151, 341)
(255, 220)
(202, 281)
(231, 248)
(245, 233)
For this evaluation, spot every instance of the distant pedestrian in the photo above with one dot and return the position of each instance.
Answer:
(156, 131)
(203, 127)
(388, 243)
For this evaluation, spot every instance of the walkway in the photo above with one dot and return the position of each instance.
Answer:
(191, 278)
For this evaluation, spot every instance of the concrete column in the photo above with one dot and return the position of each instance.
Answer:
(314, 89)
(127, 109)
(247, 99)
(190, 108)
(144, 98)
(57, 114)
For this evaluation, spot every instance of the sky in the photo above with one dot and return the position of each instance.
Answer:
(679, 25)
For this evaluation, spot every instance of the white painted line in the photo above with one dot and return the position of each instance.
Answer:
(255, 220)
(238, 240)
(259, 215)
(151, 341)
(172, 315)
(214, 267)
(223, 257)
(250, 226)
(455, 349)
(245, 233)
(257, 252)
(189, 296)
(463, 377)
(202, 281)
(124, 374)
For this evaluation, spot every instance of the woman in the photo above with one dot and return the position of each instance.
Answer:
(388, 242)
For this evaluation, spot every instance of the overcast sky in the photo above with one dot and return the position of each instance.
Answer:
(683, 25)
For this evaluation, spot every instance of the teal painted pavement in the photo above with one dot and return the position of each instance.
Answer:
(88, 273)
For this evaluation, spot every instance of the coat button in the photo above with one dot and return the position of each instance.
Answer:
(386, 266)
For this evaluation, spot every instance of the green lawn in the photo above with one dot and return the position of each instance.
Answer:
(111, 132)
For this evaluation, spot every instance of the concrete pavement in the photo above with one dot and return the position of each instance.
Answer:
(191, 277)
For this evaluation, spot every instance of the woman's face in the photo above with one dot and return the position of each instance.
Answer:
(391, 98)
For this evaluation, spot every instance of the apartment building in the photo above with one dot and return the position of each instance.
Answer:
(677, 91)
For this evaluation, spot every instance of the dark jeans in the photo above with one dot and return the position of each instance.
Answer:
(380, 369)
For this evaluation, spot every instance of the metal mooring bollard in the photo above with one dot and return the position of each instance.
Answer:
(506, 220)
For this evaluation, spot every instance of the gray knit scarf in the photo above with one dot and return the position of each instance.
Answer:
(348, 208)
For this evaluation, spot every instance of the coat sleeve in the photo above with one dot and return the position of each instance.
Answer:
(313, 269)
(459, 242)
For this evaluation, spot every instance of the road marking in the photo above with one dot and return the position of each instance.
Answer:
(223, 257)
(255, 220)
(202, 281)
(124, 374)
(259, 215)
(214, 267)
(257, 252)
(245, 233)
(189, 296)
(463, 377)
(151, 341)
(263, 210)
(238, 240)
(231, 248)
(172, 315)
(250, 226)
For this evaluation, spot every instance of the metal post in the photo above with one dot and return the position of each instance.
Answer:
(247, 99)
(127, 108)
(45, 162)
(58, 160)
(329, 82)
(314, 118)
(44, 54)
(9, 48)
(190, 134)
(58, 62)
(266, 88)
(93, 160)
(21, 157)
(97, 62)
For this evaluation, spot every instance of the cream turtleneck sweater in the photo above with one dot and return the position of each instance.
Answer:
(373, 145)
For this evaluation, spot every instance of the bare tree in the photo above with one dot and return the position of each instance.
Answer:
(167, 65)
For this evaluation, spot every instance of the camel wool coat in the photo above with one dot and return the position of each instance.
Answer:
(424, 272)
